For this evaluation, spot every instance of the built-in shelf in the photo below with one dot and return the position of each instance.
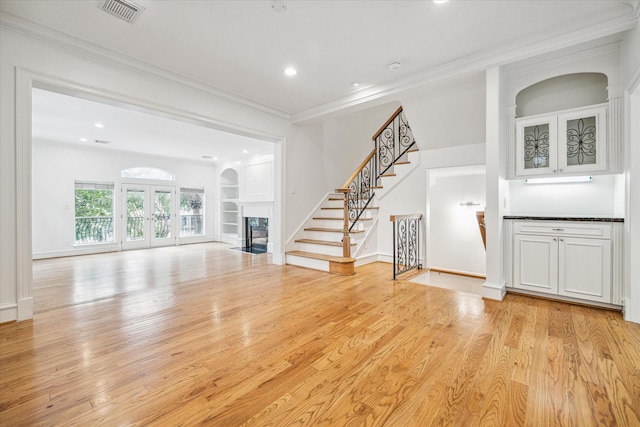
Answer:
(229, 193)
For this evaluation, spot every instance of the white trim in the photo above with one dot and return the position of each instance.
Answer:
(25, 309)
(494, 291)
(367, 259)
(24, 264)
(97, 52)
(8, 312)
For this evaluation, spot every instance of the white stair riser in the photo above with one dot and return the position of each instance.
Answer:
(316, 264)
(320, 249)
(332, 237)
(323, 235)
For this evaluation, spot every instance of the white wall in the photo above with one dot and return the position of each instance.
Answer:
(447, 114)
(455, 242)
(601, 197)
(56, 167)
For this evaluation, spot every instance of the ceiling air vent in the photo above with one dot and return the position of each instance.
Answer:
(122, 9)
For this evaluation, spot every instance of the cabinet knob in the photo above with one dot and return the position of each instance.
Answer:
(562, 240)
(555, 240)
(560, 170)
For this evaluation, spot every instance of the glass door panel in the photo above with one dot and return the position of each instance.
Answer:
(162, 215)
(148, 218)
(135, 215)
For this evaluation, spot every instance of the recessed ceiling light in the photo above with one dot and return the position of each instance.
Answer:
(439, 1)
(83, 139)
(215, 158)
(245, 151)
(394, 66)
(355, 84)
(98, 125)
(290, 71)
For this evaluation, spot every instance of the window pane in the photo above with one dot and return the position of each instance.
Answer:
(191, 212)
(147, 173)
(93, 214)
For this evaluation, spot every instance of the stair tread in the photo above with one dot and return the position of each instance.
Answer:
(384, 175)
(402, 163)
(323, 218)
(322, 242)
(331, 230)
(312, 255)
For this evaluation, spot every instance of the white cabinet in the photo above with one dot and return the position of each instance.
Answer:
(571, 259)
(565, 142)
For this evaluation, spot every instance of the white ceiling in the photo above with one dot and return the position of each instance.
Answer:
(242, 47)
(63, 118)
(239, 49)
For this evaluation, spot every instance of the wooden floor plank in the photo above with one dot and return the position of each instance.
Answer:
(201, 334)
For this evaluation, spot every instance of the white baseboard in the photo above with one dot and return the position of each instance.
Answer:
(631, 314)
(494, 291)
(25, 308)
(76, 251)
(367, 259)
(8, 312)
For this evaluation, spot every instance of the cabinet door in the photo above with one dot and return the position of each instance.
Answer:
(536, 146)
(582, 140)
(585, 269)
(535, 263)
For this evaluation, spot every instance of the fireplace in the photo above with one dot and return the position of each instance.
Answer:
(256, 235)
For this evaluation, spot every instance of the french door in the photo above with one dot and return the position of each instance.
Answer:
(148, 218)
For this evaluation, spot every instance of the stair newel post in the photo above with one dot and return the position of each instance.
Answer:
(346, 241)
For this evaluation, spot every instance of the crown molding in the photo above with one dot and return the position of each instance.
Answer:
(473, 63)
(100, 53)
(554, 59)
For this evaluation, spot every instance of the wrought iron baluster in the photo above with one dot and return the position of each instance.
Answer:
(406, 243)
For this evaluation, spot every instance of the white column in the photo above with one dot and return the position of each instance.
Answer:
(494, 287)
(632, 214)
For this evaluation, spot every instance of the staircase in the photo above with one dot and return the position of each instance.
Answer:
(349, 214)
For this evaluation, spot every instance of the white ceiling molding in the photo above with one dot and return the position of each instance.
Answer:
(87, 49)
(479, 61)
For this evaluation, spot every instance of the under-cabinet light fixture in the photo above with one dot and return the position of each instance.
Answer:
(558, 180)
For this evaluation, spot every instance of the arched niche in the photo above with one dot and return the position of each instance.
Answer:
(562, 93)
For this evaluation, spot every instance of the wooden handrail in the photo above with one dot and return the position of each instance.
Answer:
(384, 126)
(394, 217)
(362, 165)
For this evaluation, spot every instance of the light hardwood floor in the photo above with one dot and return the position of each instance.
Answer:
(203, 335)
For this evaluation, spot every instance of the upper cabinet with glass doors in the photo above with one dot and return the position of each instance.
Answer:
(565, 142)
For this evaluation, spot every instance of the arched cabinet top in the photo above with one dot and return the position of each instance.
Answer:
(561, 93)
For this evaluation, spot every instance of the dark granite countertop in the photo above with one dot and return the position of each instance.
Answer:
(565, 218)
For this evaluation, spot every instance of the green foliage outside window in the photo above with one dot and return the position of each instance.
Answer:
(90, 203)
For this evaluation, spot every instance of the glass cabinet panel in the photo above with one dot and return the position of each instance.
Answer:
(536, 146)
(582, 144)
(536, 151)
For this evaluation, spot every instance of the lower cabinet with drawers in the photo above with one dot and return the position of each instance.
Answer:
(570, 259)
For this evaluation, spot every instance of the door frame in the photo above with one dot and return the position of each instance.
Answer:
(150, 240)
